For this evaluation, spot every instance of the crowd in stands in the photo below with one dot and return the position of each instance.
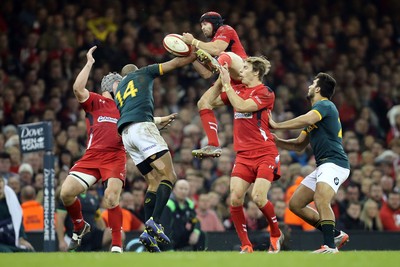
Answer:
(43, 45)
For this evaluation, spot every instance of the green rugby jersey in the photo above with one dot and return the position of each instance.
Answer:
(134, 96)
(326, 135)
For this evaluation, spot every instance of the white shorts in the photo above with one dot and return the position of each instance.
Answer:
(329, 173)
(142, 140)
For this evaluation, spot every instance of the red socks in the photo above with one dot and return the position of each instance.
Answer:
(115, 223)
(269, 213)
(239, 221)
(75, 212)
(210, 126)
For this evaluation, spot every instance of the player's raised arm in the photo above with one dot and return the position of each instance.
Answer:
(177, 62)
(81, 93)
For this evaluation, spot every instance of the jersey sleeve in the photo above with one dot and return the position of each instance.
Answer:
(225, 34)
(264, 98)
(154, 70)
(321, 108)
(89, 104)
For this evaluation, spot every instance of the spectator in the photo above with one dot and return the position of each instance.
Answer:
(208, 218)
(12, 234)
(138, 200)
(370, 216)
(180, 220)
(32, 210)
(376, 193)
(25, 172)
(254, 217)
(5, 165)
(390, 212)
(351, 219)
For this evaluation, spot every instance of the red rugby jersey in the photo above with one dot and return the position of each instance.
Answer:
(101, 123)
(227, 34)
(250, 129)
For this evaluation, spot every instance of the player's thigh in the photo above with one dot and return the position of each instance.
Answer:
(260, 188)
(72, 186)
(164, 166)
(238, 188)
(301, 197)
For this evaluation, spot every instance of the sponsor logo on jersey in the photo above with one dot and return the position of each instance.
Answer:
(336, 181)
(149, 147)
(311, 127)
(107, 119)
(247, 115)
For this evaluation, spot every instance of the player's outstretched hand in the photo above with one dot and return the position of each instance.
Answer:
(187, 38)
(89, 54)
(224, 74)
(167, 120)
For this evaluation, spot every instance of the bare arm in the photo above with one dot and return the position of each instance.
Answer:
(81, 93)
(214, 48)
(177, 62)
(297, 144)
(299, 122)
(240, 104)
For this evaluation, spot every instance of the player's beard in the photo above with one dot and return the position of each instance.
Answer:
(310, 96)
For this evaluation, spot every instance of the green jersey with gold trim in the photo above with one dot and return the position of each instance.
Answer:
(134, 96)
(326, 135)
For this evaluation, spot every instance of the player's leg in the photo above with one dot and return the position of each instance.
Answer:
(144, 144)
(329, 178)
(208, 101)
(75, 184)
(265, 175)
(166, 174)
(151, 193)
(238, 189)
(111, 201)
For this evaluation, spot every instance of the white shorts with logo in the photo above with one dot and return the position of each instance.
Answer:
(142, 140)
(329, 173)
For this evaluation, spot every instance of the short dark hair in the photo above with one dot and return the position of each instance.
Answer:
(128, 69)
(327, 84)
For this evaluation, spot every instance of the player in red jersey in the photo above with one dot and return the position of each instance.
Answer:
(104, 159)
(257, 158)
(225, 44)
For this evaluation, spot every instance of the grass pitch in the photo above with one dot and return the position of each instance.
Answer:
(203, 259)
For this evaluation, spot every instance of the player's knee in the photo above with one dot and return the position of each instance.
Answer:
(236, 198)
(111, 199)
(258, 200)
(203, 103)
(66, 195)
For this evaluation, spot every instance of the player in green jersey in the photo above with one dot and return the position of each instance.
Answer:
(323, 130)
(143, 142)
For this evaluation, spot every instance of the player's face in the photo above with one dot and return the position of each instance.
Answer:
(311, 89)
(246, 73)
(207, 29)
(115, 86)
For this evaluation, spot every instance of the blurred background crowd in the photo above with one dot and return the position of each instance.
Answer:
(43, 44)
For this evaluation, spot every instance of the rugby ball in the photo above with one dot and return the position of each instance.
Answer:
(173, 43)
